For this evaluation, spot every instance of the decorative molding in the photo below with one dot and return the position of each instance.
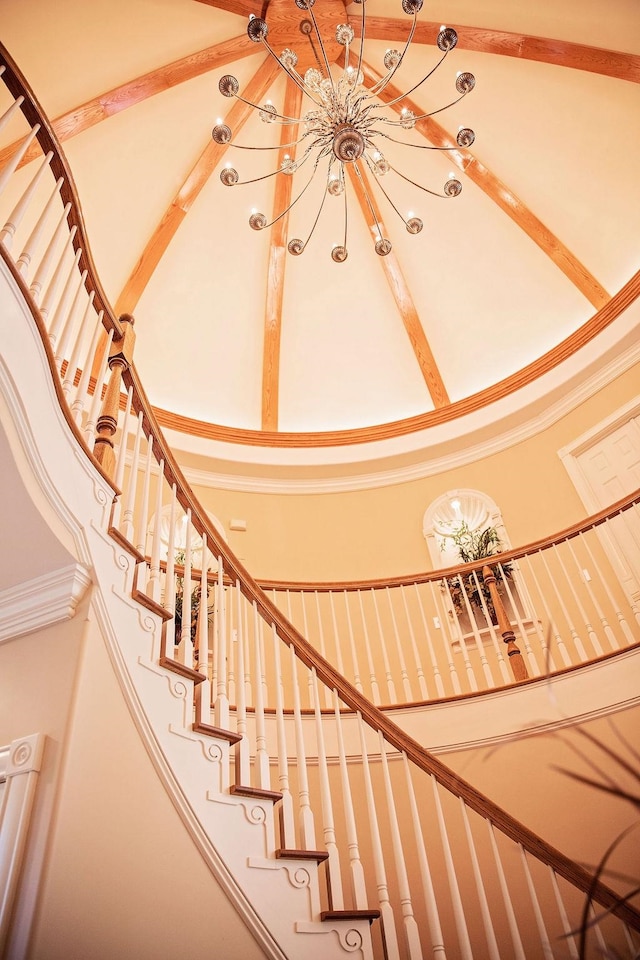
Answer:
(43, 601)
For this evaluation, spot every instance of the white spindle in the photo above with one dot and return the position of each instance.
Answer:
(68, 331)
(357, 681)
(534, 666)
(287, 819)
(386, 910)
(437, 676)
(305, 626)
(443, 619)
(62, 310)
(595, 643)
(537, 912)
(15, 106)
(422, 683)
(153, 583)
(518, 949)
(373, 680)
(358, 886)
(247, 656)
(412, 935)
(586, 579)
(185, 647)
(141, 526)
(82, 393)
(24, 260)
(121, 456)
(96, 400)
(16, 216)
(307, 824)
(170, 582)
(74, 359)
(328, 826)
(262, 754)
(337, 642)
(132, 485)
(487, 922)
(242, 771)
(391, 690)
(323, 648)
(471, 677)
(620, 617)
(203, 689)
(464, 942)
(232, 638)
(496, 638)
(12, 165)
(435, 927)
(46, 263)
(554, 634)
(558, 593)
(404, 673)
(222, 693)
(569, 939)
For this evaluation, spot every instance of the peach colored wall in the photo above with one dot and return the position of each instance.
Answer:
(375, 533)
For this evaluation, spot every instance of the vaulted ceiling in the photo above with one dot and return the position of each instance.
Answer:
(232, 329)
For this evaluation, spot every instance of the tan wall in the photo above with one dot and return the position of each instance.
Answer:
(375, 533)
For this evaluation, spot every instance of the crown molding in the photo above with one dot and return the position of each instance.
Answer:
(43, 601)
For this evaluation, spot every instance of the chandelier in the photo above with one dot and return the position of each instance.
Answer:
(347, 125)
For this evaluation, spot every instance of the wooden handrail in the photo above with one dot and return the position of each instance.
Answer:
(428, 576)
(326, 673)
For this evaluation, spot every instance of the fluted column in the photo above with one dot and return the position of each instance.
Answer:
(120, 357)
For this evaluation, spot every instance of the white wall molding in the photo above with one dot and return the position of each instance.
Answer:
(40, 602)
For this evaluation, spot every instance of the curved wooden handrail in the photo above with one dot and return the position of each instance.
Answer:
(33, 112)
(326, 673)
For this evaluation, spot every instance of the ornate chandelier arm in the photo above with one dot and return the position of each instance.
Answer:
(308, 6)
(299, 163)
(422, 116)
(416, 146)
(385, 80)
(372, 169)
(277, 146)
(379, 106)
(452, 192)
(297, 246)
(290, 73)
(293, 202)
(356, 169)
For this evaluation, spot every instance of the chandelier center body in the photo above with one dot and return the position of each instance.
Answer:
(348, 143)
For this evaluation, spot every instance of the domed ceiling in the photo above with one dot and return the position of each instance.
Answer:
(233, 330)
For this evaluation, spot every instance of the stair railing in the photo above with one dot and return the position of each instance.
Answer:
(449, 872)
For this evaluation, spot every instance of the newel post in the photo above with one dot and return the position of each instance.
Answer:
(120, 357)
(518, 665)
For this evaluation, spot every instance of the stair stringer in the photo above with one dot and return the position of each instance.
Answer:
(235, 835)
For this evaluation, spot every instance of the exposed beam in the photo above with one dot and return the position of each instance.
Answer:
(400, 291)
(242, 7)
(120, 98)
(211, 156)
(277, 264)
(610, 63)
(576, 272)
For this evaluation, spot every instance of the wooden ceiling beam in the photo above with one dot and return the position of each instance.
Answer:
(494, 188)
(276, 272)
(242, 7)
(400, 290)
(211, 156)
(128, 94)
(563, 53)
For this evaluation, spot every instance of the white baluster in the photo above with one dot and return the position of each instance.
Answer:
(16, 216)
(242, 768)
(262, 754)
(391, 690)
(203, 689)
(471, 677)
(464, 942)
(62, 310)
(404, 673)
(68, 329)
(130, 494)
(595, 643)
(42, 272)
(15, 106)
(358, 886)
(437, 676)
(96, 400)
(496, 638)
(305, 627)
(433, 916)
(569, 939)
(285, 811)
(328, 825)
(307, 824)
(336, 636)
(386, 910)
(442, 614)
(553, 633)
(232, 644)
(170, 582)
(586, 579)
(537, 912)
(141, 526)
(323, 649)
(24, 260)
(422, 683)
(72, 366)
(534, 666)
(185, 647)
(357, 681)
(153, 583)
(222, 693)
(247, 657)
(492, 943)
(412, 936)
(373, 680)
(11, 166)
(624, 626)
(121, 456)
(558, 593)
(82, 393)
(518, 949)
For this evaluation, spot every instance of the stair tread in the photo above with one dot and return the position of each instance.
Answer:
(317, 855)
(369, 915)
(210, 731)
(256, 792)
(188, 672)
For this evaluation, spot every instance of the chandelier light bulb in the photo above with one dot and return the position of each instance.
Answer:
(349, 115)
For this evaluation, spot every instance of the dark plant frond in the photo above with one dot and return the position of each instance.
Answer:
(613, 789)
(611, 753)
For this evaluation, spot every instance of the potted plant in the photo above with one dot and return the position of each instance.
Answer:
(476, 545)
